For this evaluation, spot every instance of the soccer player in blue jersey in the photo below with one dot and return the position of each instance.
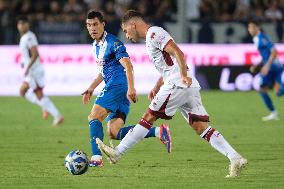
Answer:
(112, 104)
(270, 68)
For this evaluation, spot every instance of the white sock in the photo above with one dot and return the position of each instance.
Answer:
(131, 138)
(48, 105)
(218, 142)
(31, 97)
(157, 132)
(96, 157)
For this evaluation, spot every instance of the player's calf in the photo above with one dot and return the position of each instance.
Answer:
(23, 89)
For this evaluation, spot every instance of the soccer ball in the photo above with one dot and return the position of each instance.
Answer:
(76, 162)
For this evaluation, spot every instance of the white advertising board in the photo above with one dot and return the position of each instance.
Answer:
(71, 68)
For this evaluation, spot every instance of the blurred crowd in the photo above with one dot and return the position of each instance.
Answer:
(74, 11)
(236, 10)
(47, 16)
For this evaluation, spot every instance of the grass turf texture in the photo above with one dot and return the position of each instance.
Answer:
(32, 152)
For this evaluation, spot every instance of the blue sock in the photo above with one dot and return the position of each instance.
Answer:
(124, 130)
(96, 131)
(267, 101)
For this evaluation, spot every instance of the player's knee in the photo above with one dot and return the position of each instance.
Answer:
(23, 91)
(39, 93)
(199, 126)
(95, 115)
(149, 117)
(263, 90)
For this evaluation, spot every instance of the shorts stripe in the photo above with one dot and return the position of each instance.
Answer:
(161, 112)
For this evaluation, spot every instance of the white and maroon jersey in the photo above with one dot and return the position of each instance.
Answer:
(27, 41)
(156, 41)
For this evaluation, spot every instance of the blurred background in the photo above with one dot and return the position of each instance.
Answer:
(212, 33)
(223, 21)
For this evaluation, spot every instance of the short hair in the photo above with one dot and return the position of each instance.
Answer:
(131, 14)
(95, 14)
(255, 22)
(23, 19)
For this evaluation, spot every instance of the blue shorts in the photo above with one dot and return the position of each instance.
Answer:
(115, 100)
(274, 75)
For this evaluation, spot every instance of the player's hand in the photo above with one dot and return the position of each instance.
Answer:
(152, 94)
(131, 95)
(187, 80)
(87, 96)
(252, 69)
(264, 70)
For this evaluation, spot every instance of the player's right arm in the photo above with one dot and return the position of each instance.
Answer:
(156, 89)
(88, 93)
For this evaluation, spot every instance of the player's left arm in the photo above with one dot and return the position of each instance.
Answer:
(175, 51)
(34, 55)
(131, 93)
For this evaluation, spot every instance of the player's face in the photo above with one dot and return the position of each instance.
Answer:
(130, 31)
(95, 28)
(253, 29)
(22, 27)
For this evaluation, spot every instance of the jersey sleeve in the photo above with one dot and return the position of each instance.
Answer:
(31, 41)
(265, 41)
(119, 50)
(160, 38)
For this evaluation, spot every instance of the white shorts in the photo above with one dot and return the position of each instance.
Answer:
(171, 98)
(35, 79)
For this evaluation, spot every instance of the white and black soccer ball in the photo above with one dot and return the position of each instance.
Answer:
(76, 162)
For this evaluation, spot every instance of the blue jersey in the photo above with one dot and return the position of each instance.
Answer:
(108, 52)
(265, 46)
(113, 97)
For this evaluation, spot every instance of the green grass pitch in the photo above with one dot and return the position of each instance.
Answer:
(33, 152)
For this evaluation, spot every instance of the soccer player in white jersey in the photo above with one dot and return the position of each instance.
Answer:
(176, 89)
(32, 87)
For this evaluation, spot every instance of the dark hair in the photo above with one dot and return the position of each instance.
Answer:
(131, 14)
(22, 19)
(255, 22)
(95, 14)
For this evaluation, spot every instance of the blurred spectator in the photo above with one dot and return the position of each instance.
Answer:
(55, 12)
(207, 10)
(242, 10)
(112, 20)
(273, 13)
(72, 6)
(193, 9)
(226, 9)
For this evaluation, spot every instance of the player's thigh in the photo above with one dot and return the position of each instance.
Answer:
(166, 102)
(98, 112)
(121, 112)
(193, 110)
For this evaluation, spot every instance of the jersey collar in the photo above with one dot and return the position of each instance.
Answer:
(102, 40)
